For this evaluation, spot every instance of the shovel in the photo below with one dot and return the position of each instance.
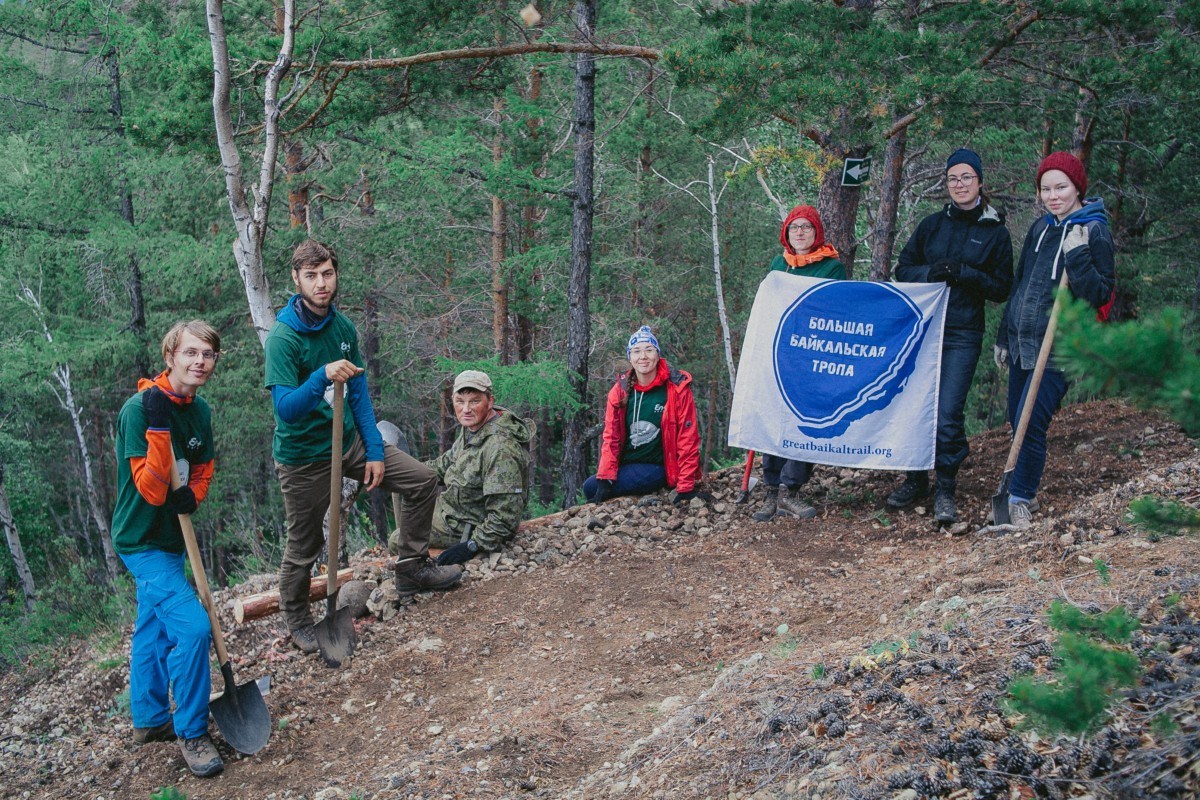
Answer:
(1000, 499)
(748, 483)
(335, 633)
(241, 712)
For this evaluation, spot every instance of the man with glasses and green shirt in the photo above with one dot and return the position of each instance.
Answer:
(312, 348)
(165, 427)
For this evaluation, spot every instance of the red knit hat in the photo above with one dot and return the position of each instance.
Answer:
(809, 213)
(1067, 164)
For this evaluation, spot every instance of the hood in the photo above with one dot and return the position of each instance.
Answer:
(519, 429)
(161, 381)
(982, 214)
(290, 315)
(1092, 211)
(809, 213)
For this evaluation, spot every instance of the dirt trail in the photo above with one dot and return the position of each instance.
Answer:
(539, 681)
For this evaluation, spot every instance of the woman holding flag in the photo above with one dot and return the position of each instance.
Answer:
(806, 253)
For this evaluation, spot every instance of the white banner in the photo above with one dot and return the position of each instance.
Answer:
(841, 372)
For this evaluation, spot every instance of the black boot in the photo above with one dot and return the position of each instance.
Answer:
(945, 511)
(770, 506)
(915, 486)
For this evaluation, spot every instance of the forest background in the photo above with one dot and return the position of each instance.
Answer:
(509, 187)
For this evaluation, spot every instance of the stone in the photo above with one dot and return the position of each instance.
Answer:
(354, 596)
(384, 601)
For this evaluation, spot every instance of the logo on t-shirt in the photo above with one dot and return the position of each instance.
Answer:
(345, 347)
(642, 432)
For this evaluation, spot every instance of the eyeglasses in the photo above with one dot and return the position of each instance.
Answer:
(192, 355)
(801, 227)
(955, 180)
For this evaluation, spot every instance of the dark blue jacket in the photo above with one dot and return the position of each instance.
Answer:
(977, 239)
(1091, 276)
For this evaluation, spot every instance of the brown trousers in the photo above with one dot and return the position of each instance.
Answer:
(306, 500)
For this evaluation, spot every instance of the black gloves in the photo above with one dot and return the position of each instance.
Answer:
(460, 553)
(157, 407)
(604, 490)
(945, 271)
(181, 500)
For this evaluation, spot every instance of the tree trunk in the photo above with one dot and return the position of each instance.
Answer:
(579, 320)
(838, 206)
(884, 234)
(250, 223)
(297, 186)
(713, 198)
(499, 236)
(13, 539)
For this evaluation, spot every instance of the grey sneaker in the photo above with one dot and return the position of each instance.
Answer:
(791, 504)
(1034, 505)
(423, 575)
(1021, 515)
(159, 733)
(915, 486)
(770, 506)
(945, 510)
(201, 756)
(304, 639)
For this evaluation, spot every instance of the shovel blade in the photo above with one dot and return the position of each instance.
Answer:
(242, 716)
(1000, 502)
(335, 636)
(744, 495)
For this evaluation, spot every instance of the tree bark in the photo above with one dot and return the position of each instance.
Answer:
(884, 234)
(13, 538)
(297, 186)
(838, 206)
(250, 222)
(579, 332)
(499, 239)
(714, 197)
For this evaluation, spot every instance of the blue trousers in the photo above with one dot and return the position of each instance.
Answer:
(170, 646)
(1032, 460)
(631, 479)
(792, 474)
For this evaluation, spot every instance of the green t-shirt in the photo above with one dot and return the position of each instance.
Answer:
(136, 525)
(825, 268)
(643, 418)
(290, 359)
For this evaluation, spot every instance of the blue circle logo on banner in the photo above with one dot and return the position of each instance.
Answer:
(843, 350)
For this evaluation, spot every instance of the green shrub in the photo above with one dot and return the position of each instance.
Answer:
(1164, 517)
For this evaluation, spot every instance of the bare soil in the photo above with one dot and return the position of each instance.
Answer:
(648, 651)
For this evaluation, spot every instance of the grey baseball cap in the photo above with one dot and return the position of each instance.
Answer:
(472, 379)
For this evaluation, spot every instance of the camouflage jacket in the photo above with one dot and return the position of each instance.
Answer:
(486, 475)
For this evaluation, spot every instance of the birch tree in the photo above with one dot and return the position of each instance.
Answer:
(13, 539)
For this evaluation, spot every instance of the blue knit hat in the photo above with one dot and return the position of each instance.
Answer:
(969, 157)
(642, 335)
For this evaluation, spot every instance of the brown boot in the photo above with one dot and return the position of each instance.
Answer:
(159, 733)
(423, 575)
(201, 756)
(791, 504)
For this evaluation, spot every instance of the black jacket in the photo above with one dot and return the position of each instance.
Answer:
(979, 241)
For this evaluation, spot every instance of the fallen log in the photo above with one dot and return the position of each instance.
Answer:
(264, 604)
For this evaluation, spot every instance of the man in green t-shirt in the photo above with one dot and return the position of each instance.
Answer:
(310, 349)
(165, 427)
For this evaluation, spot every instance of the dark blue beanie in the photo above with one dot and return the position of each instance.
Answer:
(969, 157)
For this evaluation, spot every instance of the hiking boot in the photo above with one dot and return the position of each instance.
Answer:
(1034, 505)
(423, 574)
(159, 733)
(791, 504)
(304, 639)
(915, 486)
(1020, 515)
(945, 511)
(770, 506)
(201, 756)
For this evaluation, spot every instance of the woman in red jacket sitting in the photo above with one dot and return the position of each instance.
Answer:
(651, 438)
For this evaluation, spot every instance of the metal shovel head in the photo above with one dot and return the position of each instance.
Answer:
(335, 635)
(744, 495)
(1000, 502)
(241, 715)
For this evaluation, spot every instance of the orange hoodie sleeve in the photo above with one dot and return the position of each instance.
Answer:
(152, 472)
(202, 475)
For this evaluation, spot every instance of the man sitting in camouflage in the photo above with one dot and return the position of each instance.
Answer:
(485, 472)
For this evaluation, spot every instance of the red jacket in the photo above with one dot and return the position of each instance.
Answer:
(681, 434)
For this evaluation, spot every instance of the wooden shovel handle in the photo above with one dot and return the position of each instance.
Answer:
(335, 487)
(1035, 380)
(193, 551)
